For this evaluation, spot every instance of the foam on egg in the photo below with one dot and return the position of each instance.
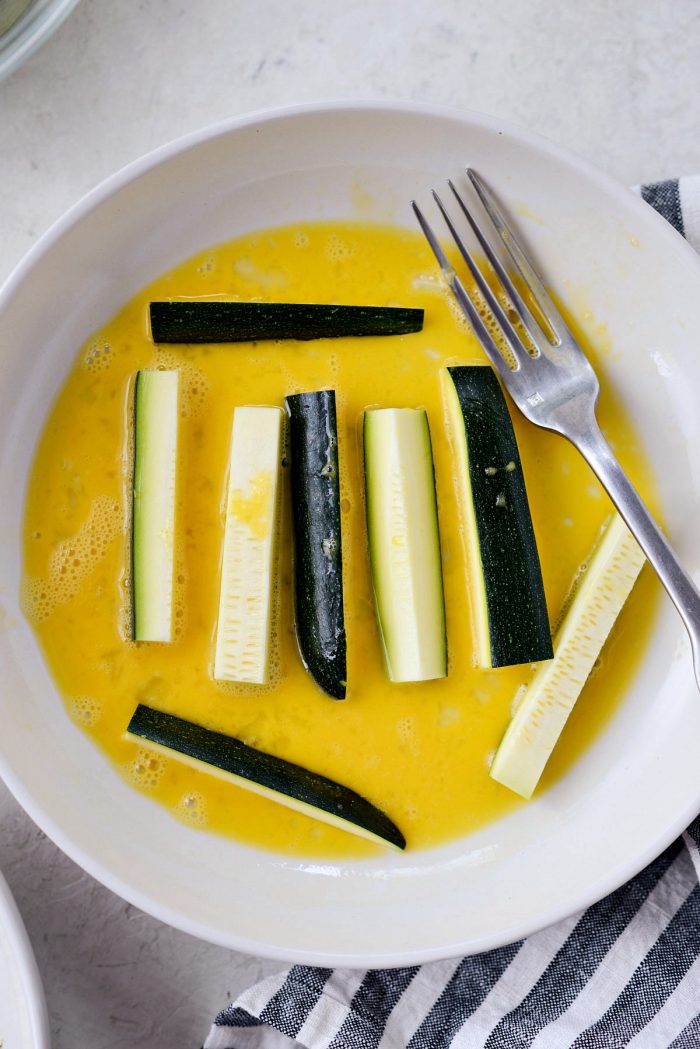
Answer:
(86, 710)
(338, 249)
(146, 769)
(192, 809)
(98, 357)
(72, 560)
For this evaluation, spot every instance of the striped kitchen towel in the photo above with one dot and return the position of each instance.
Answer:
(624, 973)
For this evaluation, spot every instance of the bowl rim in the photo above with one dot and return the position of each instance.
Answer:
(24, 963)
(32, 29)
(266, 114)
(150, 904)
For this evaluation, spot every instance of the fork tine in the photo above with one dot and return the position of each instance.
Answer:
(480, 330)
(524, 312)
(444, 263)
(494, 305)
(525, 267)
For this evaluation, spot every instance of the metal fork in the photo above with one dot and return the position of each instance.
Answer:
(551, 381)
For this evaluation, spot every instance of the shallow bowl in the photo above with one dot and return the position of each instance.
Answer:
(634, 789)
(38, 20)
(23, 1016)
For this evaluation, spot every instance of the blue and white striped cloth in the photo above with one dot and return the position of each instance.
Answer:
(624, 973)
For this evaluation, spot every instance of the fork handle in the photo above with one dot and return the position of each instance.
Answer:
(678, 584)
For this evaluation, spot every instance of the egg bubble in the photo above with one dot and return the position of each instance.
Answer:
(406, 729)
(338, 250)
(192, 809)
(146, 769)
(85, 710)
(72, 560)
(208, 266)
(98, 357)
(35, 599)
(458, 317)
(125, 613)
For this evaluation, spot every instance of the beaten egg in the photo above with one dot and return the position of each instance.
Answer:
(421, 751)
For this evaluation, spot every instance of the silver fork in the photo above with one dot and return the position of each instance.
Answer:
(552, 382)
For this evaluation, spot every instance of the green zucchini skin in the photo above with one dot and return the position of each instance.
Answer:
(318, 561)
(216, 321)
(515, 599)
(236, 758)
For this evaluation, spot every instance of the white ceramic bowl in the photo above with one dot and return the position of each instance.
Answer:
(35, 25)
(634, 789)
(23, 1017)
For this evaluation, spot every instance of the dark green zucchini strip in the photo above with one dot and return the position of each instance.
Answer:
(318, 562)
(216, 321)
(516, 624)
(292, 783)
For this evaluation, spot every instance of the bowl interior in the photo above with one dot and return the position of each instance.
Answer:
(614, 262)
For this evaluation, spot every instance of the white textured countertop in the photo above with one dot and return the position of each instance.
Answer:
(618, 82)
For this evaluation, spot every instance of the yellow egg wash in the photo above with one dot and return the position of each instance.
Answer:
(420, 752)
(253, 508)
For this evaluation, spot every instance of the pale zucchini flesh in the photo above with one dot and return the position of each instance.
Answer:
(154, 504)
(546, 703)
(248, 569)
(265, 774)
(404, 543)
